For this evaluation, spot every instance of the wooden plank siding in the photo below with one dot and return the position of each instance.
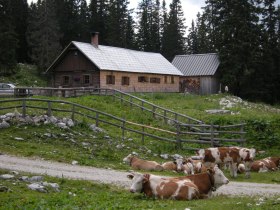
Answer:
(199, 85)
(75, 65)
(153, 83)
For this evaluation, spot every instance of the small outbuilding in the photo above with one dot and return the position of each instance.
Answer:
(200, 73)
(98, 66)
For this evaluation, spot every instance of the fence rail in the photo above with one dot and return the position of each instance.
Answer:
(157, 111)
(211, 137)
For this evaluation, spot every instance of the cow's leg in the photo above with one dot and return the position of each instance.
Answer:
(233, 169)
(247, 169)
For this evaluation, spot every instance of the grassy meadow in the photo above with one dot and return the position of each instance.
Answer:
(107, 149)
(75, 194)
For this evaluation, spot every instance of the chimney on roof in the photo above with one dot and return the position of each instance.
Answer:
(94, 39)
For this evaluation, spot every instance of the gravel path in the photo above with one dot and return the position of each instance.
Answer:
(39, 166)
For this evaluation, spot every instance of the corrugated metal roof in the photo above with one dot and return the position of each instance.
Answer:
(121, 59)
(197, 64)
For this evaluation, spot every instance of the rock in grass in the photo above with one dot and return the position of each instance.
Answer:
(7, 176)
(4, 124)
(31, 179)
(96, 129)
(4, 189)
(54, 186)
(37, 187)
(35, 179)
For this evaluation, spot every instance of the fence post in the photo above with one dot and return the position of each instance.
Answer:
(178, 140)
(165, 120)
(96, 122)
(212, 134)
(123, 130)
(49, 113)
(114, 95)
(143, 130)
(154, 112)
(242, 134)
(130, 101)
(142, 106)
(24, 108)
(121, 98)
(73, 112)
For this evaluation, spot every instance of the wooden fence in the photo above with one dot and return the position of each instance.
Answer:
(183, 134)
(169, 116)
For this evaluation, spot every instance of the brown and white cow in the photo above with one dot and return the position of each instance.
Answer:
(181, 188)
(139, 164)
(266, 164)
(229, 155)
(208, 181)
(176, 165)
(198, 166)
(163, 188)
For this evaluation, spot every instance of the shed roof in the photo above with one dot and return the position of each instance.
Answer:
(197, 64)
(126, 60)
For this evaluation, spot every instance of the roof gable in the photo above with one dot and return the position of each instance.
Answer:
(197, 64)
(121, 59)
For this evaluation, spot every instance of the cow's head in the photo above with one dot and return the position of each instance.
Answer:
(201, 153)
(247, 154)
(128, 158)
(179, 162)
(137, 181)
(217, 176)
(252, 153)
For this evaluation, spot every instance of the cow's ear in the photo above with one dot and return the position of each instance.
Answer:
(130, 176)
(146, 179)
(175, 162)
(210, 170)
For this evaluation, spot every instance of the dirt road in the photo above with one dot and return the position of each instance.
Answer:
(39, 166)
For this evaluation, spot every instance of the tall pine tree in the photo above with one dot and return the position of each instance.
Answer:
(98, 18)
(148, 36)
(173, 41)
(119, 24)
(8, 38)
(19, 16)
(43, 33)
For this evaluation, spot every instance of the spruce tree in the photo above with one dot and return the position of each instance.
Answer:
(98, 18)
(43, 33)
(148, 36)
(8, 38)
(119, 20)
(265, 83)
(173, 36)
(19, 15)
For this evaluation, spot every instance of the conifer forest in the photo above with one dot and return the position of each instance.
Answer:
(245, 34)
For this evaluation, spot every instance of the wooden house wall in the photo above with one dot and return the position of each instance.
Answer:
(203, 85)
(136, 86)
(75, 65)
(209, 85)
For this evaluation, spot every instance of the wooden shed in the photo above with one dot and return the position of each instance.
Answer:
(93, 65)
(200, 73)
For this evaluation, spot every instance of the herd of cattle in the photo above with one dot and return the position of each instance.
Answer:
(203, 173)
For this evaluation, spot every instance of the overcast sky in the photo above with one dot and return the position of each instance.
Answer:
(190, 7)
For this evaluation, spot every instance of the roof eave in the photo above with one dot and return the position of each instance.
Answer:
(58, 57)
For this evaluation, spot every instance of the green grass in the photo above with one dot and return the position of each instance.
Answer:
(25, 75)
(91, 149)
(263, 132)
(89, 195)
